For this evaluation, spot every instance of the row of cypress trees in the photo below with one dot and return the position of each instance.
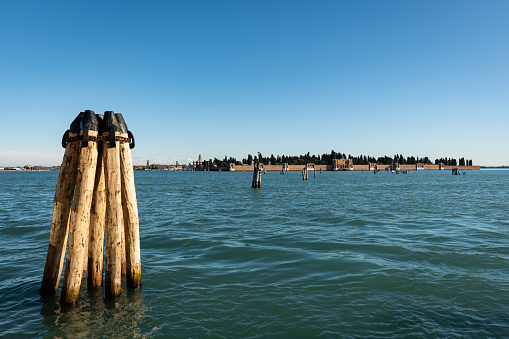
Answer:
(327, 159)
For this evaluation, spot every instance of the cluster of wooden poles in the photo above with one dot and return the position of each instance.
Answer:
(305, 173)
(257, 176)
(95, 210)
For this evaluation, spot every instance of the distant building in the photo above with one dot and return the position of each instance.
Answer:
(199, 163)
(372, 166)
(419, 166)
(342, 164)
(176, 167)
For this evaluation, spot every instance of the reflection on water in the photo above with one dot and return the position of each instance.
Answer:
(96, 316)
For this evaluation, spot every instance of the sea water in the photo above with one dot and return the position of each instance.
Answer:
(345, 254)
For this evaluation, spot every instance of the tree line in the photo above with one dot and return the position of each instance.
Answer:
(327, 159)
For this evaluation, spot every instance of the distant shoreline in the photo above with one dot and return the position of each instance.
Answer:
(238, 168)
(352, 168)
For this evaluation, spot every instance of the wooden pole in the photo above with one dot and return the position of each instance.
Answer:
(254, 183)
(80, 216)
(257, 176)
(123, 267)
(97, 219)
(114, 220)
(130, 210)
(61, 210)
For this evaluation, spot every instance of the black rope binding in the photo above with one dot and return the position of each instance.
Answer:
(131, 137)
(64, 138)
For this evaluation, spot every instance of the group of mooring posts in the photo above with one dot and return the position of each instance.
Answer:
(258, 169)
(456, 171)
(284, 169)
(404, 171)
(306, 169)
(257, 176)
(95, 204)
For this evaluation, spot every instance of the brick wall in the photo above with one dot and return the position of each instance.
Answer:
(239, 168)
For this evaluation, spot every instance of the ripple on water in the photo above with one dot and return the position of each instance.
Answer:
(345, 254)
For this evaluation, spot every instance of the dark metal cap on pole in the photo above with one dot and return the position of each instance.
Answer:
(102, 127)
(112, 126)
(121, 122)
(74, 128)
(123, 126)
(75, 125)
(88, 123)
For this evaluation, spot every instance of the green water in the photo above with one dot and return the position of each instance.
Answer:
(346, 254)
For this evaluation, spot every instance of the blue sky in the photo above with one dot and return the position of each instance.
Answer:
(422, 78)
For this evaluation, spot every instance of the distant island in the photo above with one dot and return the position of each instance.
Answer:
(328, 159)
(31, 168)
(333, 161)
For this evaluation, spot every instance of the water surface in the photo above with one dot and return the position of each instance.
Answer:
(345, 254)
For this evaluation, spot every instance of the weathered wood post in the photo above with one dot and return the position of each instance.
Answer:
(97, 219)
(96, 183)
(80, 215)
(257, 176)
(129, 208)
(62, 209)
(114, 218)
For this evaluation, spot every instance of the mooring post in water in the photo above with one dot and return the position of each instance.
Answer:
(305, 173)
(257, 176)
(129, 208)
(114, 218)
(96, 183)
(62, 209)
(80, 214)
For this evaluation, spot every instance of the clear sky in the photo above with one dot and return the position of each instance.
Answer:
(421, 78)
